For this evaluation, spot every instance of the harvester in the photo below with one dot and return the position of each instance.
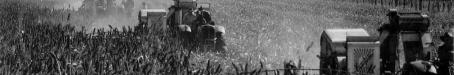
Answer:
(190, 21)
(404, 41)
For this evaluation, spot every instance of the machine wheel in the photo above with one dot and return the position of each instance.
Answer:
(451, 70)
(220, 44)
(329, 66)
(324, 67)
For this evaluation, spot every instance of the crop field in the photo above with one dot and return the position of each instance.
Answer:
(428, 5)
(260, 34)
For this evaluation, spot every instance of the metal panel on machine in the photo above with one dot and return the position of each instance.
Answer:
(363, 57)
(338, 37)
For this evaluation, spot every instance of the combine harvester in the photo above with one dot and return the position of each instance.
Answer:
(189, 21)
(401, 48)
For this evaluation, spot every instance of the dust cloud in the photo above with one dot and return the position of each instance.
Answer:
(101, 13)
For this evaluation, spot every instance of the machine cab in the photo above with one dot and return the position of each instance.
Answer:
(186, 4)
(408, 21)
(152, 18)
(152, 15)
(404, 39)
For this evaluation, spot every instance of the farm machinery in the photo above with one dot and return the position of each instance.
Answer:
(401, 48)
(189, 21)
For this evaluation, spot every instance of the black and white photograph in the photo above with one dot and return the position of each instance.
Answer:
(226, 37)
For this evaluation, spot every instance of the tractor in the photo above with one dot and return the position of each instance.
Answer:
(190, 22)
(402, 46)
